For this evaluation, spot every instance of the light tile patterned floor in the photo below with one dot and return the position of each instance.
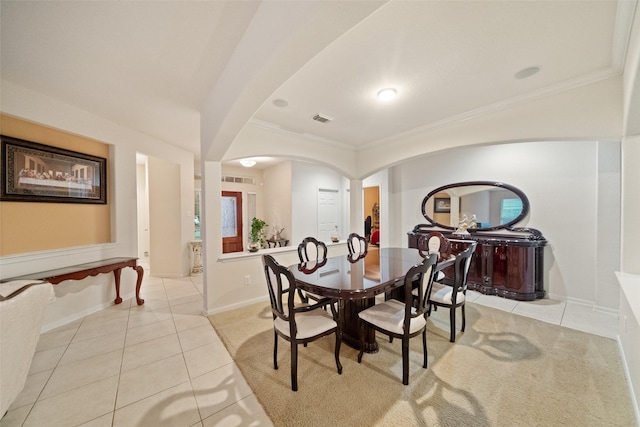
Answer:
(162, 364)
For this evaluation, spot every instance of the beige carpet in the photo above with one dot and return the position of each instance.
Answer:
(505, 370)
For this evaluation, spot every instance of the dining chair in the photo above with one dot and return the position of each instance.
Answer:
(452, 297)
(309, 250)
(357, 244)
(434, 242)
(296, 323)
(403, 320)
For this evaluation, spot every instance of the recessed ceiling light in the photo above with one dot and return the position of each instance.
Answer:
(526, 72)
(280, 103)
(247, 163)
(387, 94)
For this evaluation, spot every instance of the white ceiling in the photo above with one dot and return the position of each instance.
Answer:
(151, 65)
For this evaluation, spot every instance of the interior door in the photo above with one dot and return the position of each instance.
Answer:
(232, 222)
(328, 214)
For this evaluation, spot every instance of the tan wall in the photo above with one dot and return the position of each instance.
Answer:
(32, 227)
(371, 197)
(440, 217)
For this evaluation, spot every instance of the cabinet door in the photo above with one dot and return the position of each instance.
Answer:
(512, 268)
(478, 267)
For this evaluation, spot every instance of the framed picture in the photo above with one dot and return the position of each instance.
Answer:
(33, 172)
(442, 205)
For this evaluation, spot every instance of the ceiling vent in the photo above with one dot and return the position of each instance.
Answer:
(322, 118)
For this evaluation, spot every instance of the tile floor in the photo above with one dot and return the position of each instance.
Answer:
(162, 364)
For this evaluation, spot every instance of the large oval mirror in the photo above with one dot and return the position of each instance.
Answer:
(491, 205)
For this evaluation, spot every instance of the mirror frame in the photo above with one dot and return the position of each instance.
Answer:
(507, 226)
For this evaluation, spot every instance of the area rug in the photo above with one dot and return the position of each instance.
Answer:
(505, 370)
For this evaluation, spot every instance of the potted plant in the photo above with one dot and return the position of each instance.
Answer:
(257, 234)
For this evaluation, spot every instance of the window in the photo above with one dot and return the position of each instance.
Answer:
(196, 214)
(510, 210)
(251, 207)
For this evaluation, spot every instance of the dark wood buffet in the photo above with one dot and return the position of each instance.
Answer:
(508, 260)
(510, 266)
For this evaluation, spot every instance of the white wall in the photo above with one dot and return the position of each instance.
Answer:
(165, 241)
(561, 180)
(629, 321)
(307, 179)
(74, 300)
(257, 189)
(276, 203)
(225, 275)
(631, 205)
(631, 80)
(581, 113)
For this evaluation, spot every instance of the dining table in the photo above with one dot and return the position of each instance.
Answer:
(355, 280)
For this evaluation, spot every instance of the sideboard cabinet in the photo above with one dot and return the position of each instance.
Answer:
(507, 265)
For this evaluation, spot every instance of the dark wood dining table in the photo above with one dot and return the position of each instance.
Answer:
(355, 281)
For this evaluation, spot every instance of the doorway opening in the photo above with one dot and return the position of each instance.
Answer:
(372, 214)
(142, 191)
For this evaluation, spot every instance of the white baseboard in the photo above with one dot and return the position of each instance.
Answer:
(236, 305)
(80, 314)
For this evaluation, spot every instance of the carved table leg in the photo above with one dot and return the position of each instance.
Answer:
(140, 271)
(116, 273)
(351, 325)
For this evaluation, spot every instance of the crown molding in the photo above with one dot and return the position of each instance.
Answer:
(499, 106)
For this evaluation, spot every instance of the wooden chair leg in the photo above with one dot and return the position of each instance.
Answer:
(275, 350)
(338, 343)
(452, 316)
(424, 347)
(294, 366)
(405, 361)
(303, 297)
(463, 318)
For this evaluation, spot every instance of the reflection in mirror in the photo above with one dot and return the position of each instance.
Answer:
(482, 205)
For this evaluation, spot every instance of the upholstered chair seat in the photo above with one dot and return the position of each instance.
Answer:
(297, 323)
(402, 320)
(443, 294)
(309, 324)
(390, 317)
(454, 296)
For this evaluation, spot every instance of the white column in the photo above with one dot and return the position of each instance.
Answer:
(356, 202)
(211, 229)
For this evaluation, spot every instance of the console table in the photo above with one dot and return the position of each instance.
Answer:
(507, 265)
(82, 271)
(277, 242)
